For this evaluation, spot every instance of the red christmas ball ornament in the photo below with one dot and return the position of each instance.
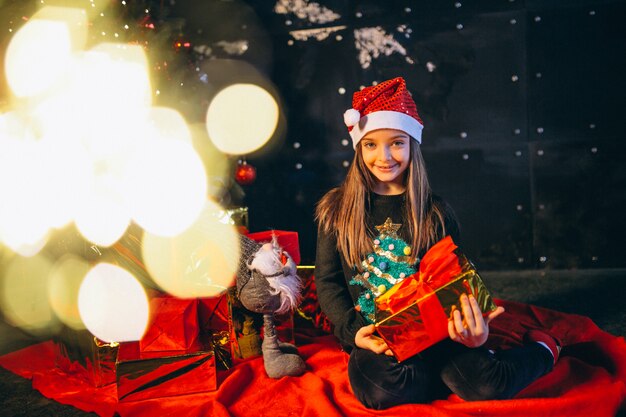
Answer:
(245, 174)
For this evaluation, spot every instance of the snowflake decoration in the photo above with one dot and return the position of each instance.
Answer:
(312, 11)
(319, 34)
(234, 48)
(373, 42)
(203, 50)
(231, 48)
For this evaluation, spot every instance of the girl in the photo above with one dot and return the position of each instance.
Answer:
(387, 185)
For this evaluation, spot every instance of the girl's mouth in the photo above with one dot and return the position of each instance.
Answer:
(386, 168)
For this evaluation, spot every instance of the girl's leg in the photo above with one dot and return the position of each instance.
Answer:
(380, 382)
(478, 374)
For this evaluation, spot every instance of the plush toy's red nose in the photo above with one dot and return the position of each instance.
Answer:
(283, 258)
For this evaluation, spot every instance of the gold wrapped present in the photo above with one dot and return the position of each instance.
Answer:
(237, 216)
(246, 328)
(80, 354)
(413, 314)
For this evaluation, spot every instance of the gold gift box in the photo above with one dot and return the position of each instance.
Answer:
(424, 321)
(246, 328)
(79, 353)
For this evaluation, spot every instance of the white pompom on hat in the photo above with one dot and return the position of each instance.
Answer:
(387, 105)
(351, 117)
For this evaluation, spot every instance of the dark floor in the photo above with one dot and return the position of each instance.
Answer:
(598, 294)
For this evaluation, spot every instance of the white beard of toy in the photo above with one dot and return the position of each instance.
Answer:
(280, 271)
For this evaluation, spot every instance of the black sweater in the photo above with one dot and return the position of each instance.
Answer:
(336, 296)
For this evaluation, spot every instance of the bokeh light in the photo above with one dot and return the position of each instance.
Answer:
(200, 262)
(112, 304)
(167, 123)
(65, 279)
(241, 118)
(23, 193)
(66, 172)
(37, 56)
(26, 249)
(107, 100)
(73, 16)
(168, 186)
(217, 166)
(85, 145)
(40, 184)
(103, 215)
(119, 83)
(24, 295)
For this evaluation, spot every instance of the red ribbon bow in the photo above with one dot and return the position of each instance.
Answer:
(438, 266)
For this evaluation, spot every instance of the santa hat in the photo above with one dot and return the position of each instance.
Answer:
(387, 105)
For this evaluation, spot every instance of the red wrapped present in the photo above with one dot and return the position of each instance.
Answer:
(214, 321)
(213, 313)
(287, 240)
(413, 314)
(149, 375)
(309, 314)
(173, 324)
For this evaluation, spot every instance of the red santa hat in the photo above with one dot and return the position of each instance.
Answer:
(387, 105)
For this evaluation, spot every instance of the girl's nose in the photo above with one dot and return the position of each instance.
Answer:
(385, 153)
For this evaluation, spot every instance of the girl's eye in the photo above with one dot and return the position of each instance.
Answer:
(399, 143)
(369, 145)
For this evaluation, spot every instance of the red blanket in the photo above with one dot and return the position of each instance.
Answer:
(588, 380)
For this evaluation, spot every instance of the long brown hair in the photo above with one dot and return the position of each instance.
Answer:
(342, 210)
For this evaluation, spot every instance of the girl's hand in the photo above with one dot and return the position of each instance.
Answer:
(365, 339)
(469, 327)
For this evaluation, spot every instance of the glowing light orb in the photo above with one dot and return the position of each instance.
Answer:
(112, 304)
(241, 118)
(25, 249)
(24, 294)
(64, 175)
(23, 220)
(106, 100)
(65, 280)
(59, 116)
(120, 80)
(200, 262)
(167, 123)
(216, 164)
(75, 18)
(168, 187)
(37, 56)
(102, 220)
(103, 214)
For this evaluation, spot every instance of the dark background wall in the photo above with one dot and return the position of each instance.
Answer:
(522, 102)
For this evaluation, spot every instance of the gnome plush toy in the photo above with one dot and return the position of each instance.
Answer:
(267, 283)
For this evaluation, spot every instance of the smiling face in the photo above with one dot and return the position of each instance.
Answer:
(386, 154)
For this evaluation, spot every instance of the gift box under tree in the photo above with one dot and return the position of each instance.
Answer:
(173, 323)
(171, 357)
(413, 314)
(287, 240)
(214, 321)
(142, 375)
(84, 356)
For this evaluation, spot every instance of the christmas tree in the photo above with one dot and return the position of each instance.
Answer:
(387, 265)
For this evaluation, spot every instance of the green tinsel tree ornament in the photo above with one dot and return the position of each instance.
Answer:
(387, 265)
